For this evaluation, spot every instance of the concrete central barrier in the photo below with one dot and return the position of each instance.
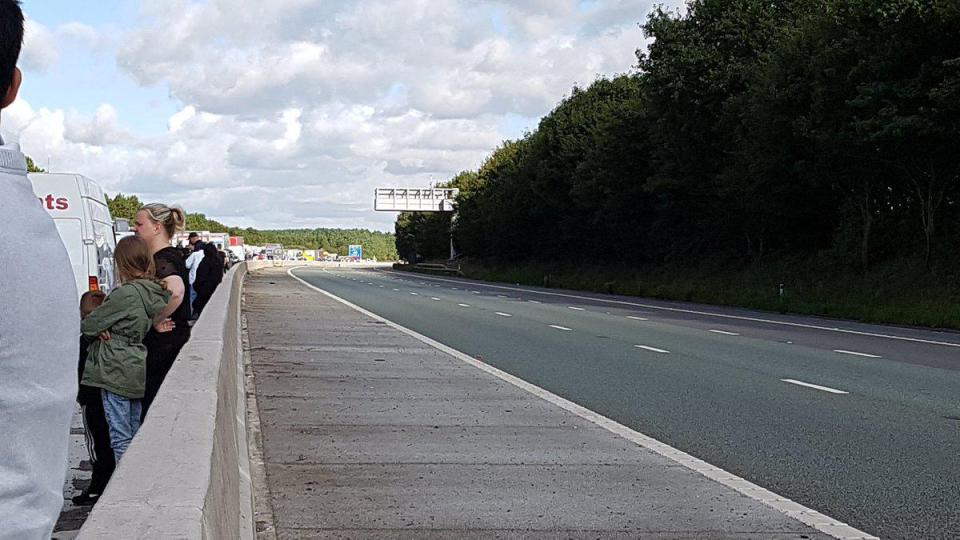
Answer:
(186, 473)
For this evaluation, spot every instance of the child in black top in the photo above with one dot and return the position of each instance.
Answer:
(94, 419)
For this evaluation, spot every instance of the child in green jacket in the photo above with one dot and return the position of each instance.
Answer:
(116, 363)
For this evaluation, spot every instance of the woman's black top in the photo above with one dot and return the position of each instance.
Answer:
(169, 262)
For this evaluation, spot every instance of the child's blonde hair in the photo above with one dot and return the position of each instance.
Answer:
(134, 260)
(90, 301)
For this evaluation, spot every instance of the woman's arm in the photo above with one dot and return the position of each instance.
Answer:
(175, 285)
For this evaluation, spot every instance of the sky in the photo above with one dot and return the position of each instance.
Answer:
(289, 113)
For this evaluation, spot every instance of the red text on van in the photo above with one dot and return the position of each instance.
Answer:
(51, 203)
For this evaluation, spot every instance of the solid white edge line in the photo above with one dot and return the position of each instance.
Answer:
(815, 386)
(502, 314)
(558, 327)
(652, 349)
(724, 332)
(709, 314)
(808, 516)
(855, 353)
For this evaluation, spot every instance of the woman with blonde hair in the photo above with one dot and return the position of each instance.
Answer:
(156, 224)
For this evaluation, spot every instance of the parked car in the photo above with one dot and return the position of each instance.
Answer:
(79, 209)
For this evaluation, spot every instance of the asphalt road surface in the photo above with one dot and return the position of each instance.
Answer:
(860, 422)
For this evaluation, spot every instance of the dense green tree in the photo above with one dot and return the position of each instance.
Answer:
(124, 206)
(751, 131)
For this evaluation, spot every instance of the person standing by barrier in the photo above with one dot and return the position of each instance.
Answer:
(193, 264)
(157, 223)
(38, 332)
(116, 363)
(209, 275)
(95, 428)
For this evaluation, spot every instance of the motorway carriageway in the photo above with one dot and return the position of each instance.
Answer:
(860, 422)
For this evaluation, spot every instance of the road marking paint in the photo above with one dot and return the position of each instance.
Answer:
(381, 286)
(533, 301)
(475, 292)
(454, 288)
(855, 353)
(576, 308)
(652, 349)
(501, 296)
(502, 314)
(724, 332)
(636, 318)
(558, 327)
(815, 386)
(398, 290)
(415, 294)
(785, 506)
(720, 315)
(464, 305)
(434, 298)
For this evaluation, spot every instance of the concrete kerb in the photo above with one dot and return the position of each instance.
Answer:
(186, 474)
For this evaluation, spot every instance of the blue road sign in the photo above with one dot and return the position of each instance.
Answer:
(356, 251)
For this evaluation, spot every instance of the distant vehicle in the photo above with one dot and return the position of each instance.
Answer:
(79, 209)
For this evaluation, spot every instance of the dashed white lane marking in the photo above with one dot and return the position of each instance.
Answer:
(815, 386)
(464, 305)
(636, 318)
(785, 506)
(475, 292)
(454, 288)
(415, 294)
(558, 327)
(652, 349)
(398, 290)
(502, 314)
(710, 314)
(533, 301)
(855, 353)
(724, 332)
(501, 296)
(434, 298)
(382, 286)
(576, 308)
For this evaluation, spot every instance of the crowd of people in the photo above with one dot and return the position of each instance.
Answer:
(128, 339)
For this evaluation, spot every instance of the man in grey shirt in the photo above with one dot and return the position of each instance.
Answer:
(39, 330)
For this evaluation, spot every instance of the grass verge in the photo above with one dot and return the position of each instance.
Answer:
(902, 293)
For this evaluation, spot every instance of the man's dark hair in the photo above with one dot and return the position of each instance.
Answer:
(11, 38)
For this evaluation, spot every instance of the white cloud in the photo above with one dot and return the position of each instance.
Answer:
(294, 110)
(39, 51)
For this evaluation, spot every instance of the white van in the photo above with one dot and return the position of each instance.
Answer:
(79, 208)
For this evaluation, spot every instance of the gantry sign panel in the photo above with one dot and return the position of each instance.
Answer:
(415, 199)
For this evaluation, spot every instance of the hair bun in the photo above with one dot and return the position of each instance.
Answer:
(179, 217)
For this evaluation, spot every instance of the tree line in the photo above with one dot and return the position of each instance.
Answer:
(746, 132)
(375, 244)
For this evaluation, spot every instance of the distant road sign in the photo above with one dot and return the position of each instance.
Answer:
(355, 251)
(415, 199)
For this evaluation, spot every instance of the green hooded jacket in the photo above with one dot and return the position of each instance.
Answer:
(120, 364)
